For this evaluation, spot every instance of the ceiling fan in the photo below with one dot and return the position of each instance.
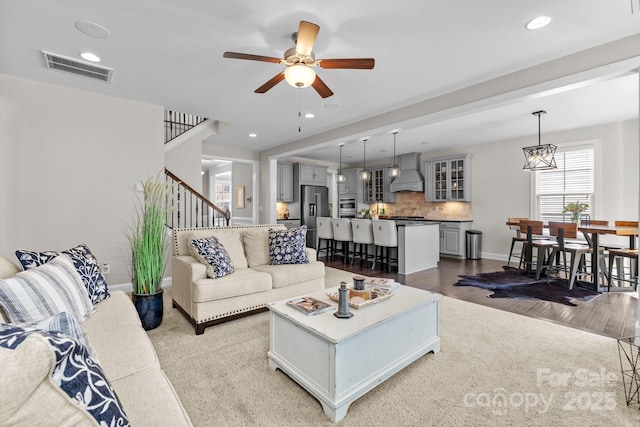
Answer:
(300, 61)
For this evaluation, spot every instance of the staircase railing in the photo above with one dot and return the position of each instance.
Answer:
(176, 123)
(189, 209)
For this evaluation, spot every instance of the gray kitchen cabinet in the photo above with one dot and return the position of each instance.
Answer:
(378, 187)
(448, 179)
(452, 238)
(349, 186)
(313, 175)
(285, 182)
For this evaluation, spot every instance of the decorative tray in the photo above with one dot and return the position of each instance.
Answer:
(377, 295)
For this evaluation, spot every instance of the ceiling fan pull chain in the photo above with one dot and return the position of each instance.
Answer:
(299, 112)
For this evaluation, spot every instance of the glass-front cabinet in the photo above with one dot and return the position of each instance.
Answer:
(377, 188)
(448, 180)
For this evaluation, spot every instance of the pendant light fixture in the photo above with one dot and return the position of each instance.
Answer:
(365, 174)
(341, 177)
(394, 170)
(539, 157)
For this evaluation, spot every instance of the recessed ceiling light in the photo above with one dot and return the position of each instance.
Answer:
(538, 22)
(90, 56)
(93, 30)
(253, 135)
(309, 115)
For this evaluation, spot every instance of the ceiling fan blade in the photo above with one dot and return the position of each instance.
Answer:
(271, 83)
(307, 34)
(353, 63)
(236, 55)
(321, 87)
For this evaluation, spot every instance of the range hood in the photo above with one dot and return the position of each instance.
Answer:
(410, 178)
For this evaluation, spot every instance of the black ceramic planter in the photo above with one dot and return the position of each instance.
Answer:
(149, 309)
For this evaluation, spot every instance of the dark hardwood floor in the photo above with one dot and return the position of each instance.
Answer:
(611, 314)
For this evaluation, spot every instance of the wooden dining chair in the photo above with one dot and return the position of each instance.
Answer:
(623, 274)
(560, 249)
(534, 240)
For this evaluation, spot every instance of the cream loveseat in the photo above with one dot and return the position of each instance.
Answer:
(30, 397)
(253, 284)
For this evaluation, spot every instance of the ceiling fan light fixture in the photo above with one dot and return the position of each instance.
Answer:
(299, 75)
(541, 156)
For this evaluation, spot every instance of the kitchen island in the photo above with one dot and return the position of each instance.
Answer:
(418, 245)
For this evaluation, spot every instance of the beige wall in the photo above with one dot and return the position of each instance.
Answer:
(69, 164)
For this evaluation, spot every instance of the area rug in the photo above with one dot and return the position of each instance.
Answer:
(516, 283)
(494, 369)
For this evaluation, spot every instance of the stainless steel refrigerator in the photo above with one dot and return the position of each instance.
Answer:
(314, 203)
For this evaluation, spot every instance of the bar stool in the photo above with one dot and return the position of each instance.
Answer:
(534, 240)
(385, 237)
(325, 234)
(362, 237)
(514, 224)
(342, 234)
(577, 252)
(617, 257)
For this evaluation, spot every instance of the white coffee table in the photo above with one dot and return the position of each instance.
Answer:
(339, 360)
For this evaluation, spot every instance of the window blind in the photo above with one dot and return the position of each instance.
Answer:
(572, 181)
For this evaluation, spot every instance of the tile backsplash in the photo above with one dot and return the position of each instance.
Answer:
(410, 203)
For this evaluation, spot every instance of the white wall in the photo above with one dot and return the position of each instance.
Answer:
(501, 189)
(242, 175)
(69, 164)
(185, 161)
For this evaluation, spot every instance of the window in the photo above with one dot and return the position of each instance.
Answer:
(572, 181)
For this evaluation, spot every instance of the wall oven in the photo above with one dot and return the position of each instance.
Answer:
(347, 206)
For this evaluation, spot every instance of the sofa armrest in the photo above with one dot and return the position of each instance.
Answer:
(184, 271)
(312, 254)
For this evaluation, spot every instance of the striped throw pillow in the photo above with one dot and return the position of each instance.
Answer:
(39, 293)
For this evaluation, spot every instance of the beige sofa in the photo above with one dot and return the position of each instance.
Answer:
(125, 354)
(253, 284)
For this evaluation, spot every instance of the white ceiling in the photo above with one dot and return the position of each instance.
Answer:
(169, 53)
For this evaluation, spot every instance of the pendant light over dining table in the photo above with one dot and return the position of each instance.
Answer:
(539, 157)
(365, 174)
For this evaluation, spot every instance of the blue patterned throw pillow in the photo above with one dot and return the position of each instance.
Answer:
(209, 250)
(84, 262)
(76, 373)
(288, 246)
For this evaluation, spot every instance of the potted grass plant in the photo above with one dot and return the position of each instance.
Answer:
(148, 242)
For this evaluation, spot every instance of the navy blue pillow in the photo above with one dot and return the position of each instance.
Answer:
(83, 261)
(211, 251)
(76, 373)
(288, 246)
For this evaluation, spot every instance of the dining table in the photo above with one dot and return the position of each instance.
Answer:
(592, 233)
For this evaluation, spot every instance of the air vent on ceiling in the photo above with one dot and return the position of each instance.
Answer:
(635, 6)
(71, 65)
